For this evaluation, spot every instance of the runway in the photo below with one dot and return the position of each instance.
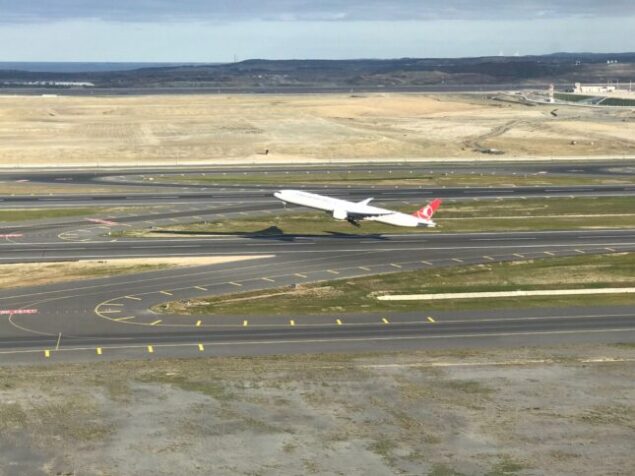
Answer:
(111, 317)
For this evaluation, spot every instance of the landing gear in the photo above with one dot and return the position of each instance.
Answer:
(353, 222)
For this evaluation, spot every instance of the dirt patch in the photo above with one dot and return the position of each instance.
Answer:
(525, 411)
(171, 130)
(35, 274)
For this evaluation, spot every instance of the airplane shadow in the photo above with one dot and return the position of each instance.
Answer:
(276, 234)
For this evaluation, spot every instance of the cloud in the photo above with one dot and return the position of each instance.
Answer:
(28, 11)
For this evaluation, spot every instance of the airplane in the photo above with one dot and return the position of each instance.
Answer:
(353, 212)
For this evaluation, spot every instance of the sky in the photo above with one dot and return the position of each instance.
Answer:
(224, 30)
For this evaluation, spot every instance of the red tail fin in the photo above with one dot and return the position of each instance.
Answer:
(426, 212)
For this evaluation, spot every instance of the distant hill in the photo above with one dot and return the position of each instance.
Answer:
(361, 73)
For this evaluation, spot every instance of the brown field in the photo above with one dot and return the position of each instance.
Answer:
(218, 128)
(35, 274)
(528, 411)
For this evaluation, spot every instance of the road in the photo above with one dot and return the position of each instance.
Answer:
(111, 317)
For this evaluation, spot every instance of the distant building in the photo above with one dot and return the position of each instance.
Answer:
(593, 89)
(611, 90)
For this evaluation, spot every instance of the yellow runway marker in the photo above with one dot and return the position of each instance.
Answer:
(489, 258)
(99, 351)
(300, 275)
(200, 288)
(339, 322)
(201, 348)
(332, 271)
(235, 284)
(47, 353)
(430, 319)
(111, 311)
(579, 251)
(133, 298)
(198, 323)
(124, 318)
(292, 322)
(610, 249)
(549, 253)
(269, 280)
(518, 255)
(426, 262)
(166, 293)
(364, 268)
(150, 349)
(112, 304)
(385, 321)
(457, 260)
(245, 323)
(156, 322)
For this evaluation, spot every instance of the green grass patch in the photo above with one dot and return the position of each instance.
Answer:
(51, 213)
(574, 97)
(461, 216)
(505, 467)
(618, 102)
(359, 294)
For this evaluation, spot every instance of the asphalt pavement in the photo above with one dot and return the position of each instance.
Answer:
(111, 317)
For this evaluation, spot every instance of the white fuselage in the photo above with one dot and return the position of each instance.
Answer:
(346, 210)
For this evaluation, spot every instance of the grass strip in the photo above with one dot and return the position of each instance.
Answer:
(461, 216)
(359, 294)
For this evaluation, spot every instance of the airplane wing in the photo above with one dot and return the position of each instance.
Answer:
(359, 215)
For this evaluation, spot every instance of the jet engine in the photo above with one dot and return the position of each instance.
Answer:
(339, 214)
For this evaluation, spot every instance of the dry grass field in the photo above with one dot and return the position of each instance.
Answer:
(219, 128)
(525, 412)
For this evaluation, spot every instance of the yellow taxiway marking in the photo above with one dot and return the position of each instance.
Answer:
(385, 321)
(332, 271)
(489, 258)
(364, 268)
(394, 265)
(111, 311)
(198, 323)
(235, 284)
(269, 280)
(426, 262)
(579, 251)
(300, 275)
(158, 321)
(133, 298)
(610, 249)
(124, 318)
(292, 322)
(519, 255)
(47, 353)
(201, 348)
(200, 288)
(166, 293)
(150, 349)
(112, 304)
(99, 351)
(245, 323)
(339, 322)
(457, 260)
(549, 253)
(431, 319)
